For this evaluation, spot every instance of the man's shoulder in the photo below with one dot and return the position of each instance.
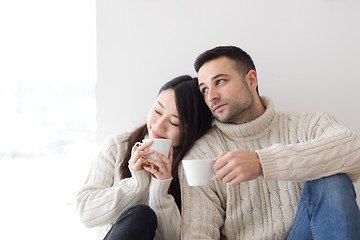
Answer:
(211, 134)
(303, 115)
(202, 146)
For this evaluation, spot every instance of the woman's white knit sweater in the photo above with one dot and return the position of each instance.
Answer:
(292, 147)
(105, 196)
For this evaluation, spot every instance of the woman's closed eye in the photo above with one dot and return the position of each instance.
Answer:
(157, 112)
(171, 122)
(174, 124)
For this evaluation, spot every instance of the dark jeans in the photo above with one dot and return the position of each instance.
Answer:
(137, 222)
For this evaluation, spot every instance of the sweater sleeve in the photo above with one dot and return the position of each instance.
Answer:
(100, 201)
(330, 149)
(167, 212)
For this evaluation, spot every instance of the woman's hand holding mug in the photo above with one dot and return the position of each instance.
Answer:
(137, 160)
(161, 170)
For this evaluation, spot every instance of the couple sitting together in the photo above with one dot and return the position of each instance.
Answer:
(279, 175)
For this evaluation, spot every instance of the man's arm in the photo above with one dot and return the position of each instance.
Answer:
(330, 149)
(237, 166)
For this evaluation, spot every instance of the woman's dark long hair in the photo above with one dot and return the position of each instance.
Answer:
(195, 120)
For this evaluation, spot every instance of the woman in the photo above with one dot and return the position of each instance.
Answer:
(121, 185)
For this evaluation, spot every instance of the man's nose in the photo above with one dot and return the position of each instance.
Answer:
(212, 95)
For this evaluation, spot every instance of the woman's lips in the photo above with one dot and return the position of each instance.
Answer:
(155, 135)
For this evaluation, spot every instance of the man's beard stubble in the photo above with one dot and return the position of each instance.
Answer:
(236, 111)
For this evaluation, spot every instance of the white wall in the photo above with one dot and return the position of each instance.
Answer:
(306, 53)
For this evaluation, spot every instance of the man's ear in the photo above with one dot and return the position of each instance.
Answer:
(251, 79)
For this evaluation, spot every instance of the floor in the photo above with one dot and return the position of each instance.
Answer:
(37, 197)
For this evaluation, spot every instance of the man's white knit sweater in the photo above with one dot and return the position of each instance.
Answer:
(292, 147)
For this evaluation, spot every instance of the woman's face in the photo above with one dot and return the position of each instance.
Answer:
(163, 118)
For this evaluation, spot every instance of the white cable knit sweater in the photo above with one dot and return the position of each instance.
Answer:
(104, 196)
(292, 147)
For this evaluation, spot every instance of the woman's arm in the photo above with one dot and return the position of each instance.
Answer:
(103, 197)
(167, 212)
(160, 201)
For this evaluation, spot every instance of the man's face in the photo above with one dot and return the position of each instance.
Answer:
(226, 93)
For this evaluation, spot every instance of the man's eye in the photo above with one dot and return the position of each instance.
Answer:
(204, 90)
(220, 81)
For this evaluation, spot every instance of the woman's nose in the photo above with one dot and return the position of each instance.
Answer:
(161, 124)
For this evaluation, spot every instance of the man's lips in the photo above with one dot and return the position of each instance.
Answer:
(155, 135)
(218, 107)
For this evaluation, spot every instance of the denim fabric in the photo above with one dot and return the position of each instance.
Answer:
(327, 210)
(136, 222)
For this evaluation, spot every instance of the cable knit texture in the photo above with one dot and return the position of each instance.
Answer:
(104, 196)
(292, 147)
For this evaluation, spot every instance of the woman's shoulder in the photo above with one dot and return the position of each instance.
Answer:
(115, 142)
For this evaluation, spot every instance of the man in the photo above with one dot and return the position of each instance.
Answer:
(270, 166)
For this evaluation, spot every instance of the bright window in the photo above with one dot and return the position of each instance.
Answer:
(47, 123)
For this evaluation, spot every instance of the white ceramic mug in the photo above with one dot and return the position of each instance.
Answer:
(160, 145)
(199, 172)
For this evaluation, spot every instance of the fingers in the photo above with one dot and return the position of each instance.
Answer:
(221, 160)
(153, 171)
(141, 146)
(229, 168)
(160, 174)
(162, 170)
(166, 161)
(220, 155)
(141, 162)
(139, 149)
(238, 166)
(159, 166)
(138, 152)
(232, 178)
(224, 171)
(234, 182)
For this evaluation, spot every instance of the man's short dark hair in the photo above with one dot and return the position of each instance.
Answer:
(242, 60)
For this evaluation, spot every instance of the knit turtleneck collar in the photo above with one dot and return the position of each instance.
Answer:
(252, 128)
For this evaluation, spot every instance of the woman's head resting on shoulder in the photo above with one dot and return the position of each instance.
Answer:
(179, 113)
